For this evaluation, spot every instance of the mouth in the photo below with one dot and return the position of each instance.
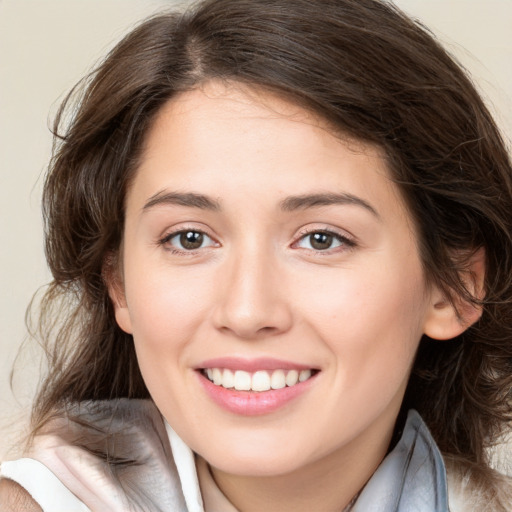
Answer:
(258, 381)
(258, 386)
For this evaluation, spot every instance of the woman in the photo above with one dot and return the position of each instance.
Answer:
(281, 232)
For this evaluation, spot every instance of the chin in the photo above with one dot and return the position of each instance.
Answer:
(257, 466)
(253, 459)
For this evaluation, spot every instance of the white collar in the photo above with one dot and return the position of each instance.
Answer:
(186, 466)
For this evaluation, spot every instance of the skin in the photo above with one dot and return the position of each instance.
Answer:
(14, 498)
(258, 288)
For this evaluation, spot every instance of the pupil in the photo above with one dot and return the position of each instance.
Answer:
(191, 240)
(321, 241)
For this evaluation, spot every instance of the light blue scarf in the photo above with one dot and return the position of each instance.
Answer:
(412, 478)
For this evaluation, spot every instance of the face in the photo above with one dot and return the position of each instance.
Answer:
(272, 283)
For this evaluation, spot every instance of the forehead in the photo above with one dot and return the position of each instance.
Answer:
(232, 111)
(223, 137)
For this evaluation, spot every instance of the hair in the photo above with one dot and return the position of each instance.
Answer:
(373, 74)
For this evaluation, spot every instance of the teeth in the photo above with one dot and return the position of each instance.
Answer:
(217, 376)
(228, 379)
(261, 380)
(242, 381)
(304, 375)
(278, 380)
(292, 377)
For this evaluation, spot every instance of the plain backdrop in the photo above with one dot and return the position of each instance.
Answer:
(48, 45)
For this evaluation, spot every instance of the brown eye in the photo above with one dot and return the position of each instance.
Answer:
(188, 240)
(321, 241)
(191, 240)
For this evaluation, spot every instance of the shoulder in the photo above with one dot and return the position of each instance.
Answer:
(13, 498)
(111, 454)
(471, 487)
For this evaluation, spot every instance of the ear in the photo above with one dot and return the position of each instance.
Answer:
(112, 276)
(447, 319)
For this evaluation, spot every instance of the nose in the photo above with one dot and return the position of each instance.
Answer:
(252, 301)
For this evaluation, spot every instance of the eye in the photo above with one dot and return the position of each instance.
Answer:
(323, 241)
(188, 240)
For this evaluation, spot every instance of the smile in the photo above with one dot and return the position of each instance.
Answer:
(259, 381)
(257, 386)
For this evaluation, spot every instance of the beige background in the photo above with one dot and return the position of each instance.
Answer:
(47, 45)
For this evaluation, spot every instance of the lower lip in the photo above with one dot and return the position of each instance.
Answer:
(253, 403)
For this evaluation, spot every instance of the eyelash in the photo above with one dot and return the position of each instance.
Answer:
(164, 241)
(346, 243)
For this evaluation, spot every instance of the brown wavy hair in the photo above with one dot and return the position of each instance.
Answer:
(375, 75)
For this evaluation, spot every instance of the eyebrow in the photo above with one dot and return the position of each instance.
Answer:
(290, 204)
(182, 199)
(304, 202)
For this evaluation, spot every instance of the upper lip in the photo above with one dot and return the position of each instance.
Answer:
(252, 365)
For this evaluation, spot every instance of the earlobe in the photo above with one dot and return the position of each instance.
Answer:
(123, 318)
(112, 277)
(447, 319)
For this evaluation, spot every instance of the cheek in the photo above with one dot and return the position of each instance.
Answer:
(166, 314)
(165, 307)
(361, 299)
(371, 321)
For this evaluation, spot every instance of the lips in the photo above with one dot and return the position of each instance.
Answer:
(254, 387)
